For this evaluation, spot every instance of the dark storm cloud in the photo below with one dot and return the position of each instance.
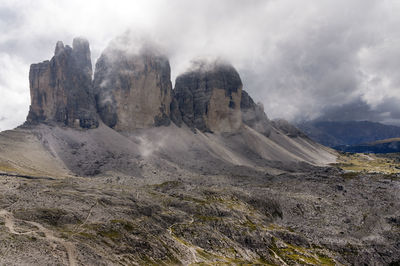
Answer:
(388, 112)
(301, 59)
(357, 110)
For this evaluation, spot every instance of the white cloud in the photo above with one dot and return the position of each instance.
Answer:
(14, 98)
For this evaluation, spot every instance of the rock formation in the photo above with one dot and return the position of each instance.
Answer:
(208, 97)
(132, 89)
(61, 88)
(132, 86)
(254, 116)
(288, 129)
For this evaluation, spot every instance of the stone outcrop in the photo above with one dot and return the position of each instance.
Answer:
(208, 97)
(132, 86)
(288, 129)
(253, 115)
(61, 88)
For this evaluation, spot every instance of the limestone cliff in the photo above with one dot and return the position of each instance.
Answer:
(208, 97)
(61, 88)
(253, 115)
(132, 86)
(288, 129)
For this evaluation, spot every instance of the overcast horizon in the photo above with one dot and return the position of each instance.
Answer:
(304, 60)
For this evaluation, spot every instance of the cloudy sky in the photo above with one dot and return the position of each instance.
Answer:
(303, 59)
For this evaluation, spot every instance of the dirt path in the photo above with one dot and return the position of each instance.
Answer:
(9, 222)
(277, 257)
(77, 228)
(191, 249)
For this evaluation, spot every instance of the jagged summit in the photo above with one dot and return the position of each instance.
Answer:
(59, 47)
(208, 97)
(81, 49)
(132, 85)
(254, 116)
(61, 88)
(287, 128)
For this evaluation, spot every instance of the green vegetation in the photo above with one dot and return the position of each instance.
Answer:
(87, 235)
(6, 167)
(168, 185)
(50, 216)
(350, 175)
(204, 218)
(128, 226)
(103, 230)
(325, 260)
(249, 224)
(369, 163)
(292, 254)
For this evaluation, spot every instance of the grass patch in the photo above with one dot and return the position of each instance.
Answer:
(350, 175)
(204, 218)
(325, 260)
(87, 235)
(292, 254)
(6, 167)
(128, 226)
(249, 224)
(112, 234)
(105, 231)
(369, 163)
(167, 185)
(50, 216)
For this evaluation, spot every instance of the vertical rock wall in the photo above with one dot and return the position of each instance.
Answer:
(253, 115)
(133, 88)
(208, 97)
(61, 89)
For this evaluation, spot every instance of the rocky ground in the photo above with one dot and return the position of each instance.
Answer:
(170, 215)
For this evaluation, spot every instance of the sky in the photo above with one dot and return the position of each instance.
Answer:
(303, 59)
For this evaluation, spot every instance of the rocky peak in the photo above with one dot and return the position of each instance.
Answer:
(61, 88)
(207, 97)
(81, 53)
(288, 129)
(132, 83)
(59, 47)
(253, 115)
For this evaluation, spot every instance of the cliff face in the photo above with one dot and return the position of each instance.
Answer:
(61, 88)
(253, 115)
(208, 97)
(288, 129)
(133, 88)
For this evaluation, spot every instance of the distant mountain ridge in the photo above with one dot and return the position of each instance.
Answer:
(381, 146)
(338, 133)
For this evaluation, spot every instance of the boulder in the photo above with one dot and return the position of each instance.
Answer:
(132, 84)
(61, 89)
(208, 97)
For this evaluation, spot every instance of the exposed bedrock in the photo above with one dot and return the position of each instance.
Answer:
(132, 84)
(288, 129)
(208, 97)
(61, 88)
(253, 115)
